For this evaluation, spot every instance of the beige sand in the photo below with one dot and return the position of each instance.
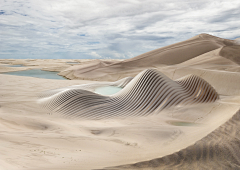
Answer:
(199, 136)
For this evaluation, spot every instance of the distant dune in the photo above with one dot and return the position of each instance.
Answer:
(169, 55)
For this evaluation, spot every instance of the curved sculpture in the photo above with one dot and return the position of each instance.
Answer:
(146, 94)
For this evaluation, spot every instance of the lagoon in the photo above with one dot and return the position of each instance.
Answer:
(18, 65)
(107, 90)
(37, 73)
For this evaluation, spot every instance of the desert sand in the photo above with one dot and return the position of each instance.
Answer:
(196, 127)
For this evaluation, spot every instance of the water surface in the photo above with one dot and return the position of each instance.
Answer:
(18, 65)
(37, 73)
(107, 90)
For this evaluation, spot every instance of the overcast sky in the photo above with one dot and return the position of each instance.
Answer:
(109, 28)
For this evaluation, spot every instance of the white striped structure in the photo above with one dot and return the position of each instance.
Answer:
(146, 94)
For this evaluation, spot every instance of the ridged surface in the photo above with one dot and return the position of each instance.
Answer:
(218, 150)
(148, 93)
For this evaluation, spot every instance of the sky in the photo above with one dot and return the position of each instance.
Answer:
(101, 29)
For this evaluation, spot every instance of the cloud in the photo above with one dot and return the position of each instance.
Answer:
(109, 29)
(96, 55)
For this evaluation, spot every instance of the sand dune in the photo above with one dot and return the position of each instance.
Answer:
(178, 109)
(212, 60)
(169, 55)
(231, 53)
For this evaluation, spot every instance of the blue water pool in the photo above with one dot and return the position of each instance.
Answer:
(107, 90)
(18, 65)
(37, 73)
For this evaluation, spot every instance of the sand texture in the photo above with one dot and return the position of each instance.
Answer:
(178, 109)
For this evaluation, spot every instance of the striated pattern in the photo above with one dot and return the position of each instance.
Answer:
(218, 150)
(148, 93)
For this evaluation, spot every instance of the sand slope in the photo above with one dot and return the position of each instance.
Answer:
(218, 150)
